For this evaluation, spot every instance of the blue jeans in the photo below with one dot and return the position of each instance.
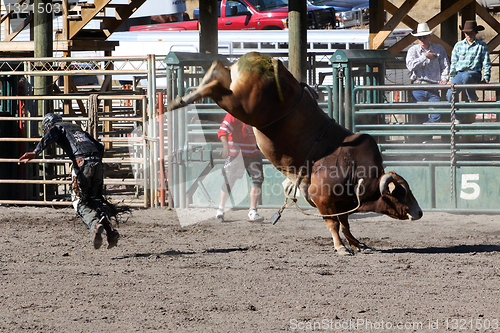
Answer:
(427, 96)
(465, 78)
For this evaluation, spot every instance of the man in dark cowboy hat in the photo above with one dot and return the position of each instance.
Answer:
(469, 57)
(86, 154)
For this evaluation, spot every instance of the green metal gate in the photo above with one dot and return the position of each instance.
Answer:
(454, 167)
(194, 148)
(450, 166)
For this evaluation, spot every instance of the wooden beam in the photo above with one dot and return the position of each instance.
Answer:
(87, 15)
(105, 84)
(28, 46)
(493, 23)
(6, 28)
(122, 13)
(7, 15)
(409, 39)
(453, 9)
(401, 13)
(433, 22)
(408, 20)
(494, 43)
(20, 28)
(61, 45)
(74, 88)
(447, 47)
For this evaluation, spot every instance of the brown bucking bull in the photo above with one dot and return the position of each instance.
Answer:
(336, 171)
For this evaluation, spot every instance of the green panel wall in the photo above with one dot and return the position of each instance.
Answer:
(272, 188)
(475, 188)
(418, 178)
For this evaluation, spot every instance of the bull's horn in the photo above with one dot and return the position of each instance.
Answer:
(385, 180)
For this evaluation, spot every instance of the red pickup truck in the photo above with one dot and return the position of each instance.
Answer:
(252, 15)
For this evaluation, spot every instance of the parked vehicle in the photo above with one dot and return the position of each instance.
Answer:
(352, 18)
(349, 13)
(341, 5)
(252, 15)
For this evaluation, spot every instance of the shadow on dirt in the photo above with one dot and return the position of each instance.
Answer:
(234, 249)
(166, 253)
(452, 249)
(173, 253)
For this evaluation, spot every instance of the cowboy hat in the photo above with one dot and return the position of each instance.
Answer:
(471, 26)
(422, 30)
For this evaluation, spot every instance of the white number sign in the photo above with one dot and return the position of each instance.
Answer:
(468, 183)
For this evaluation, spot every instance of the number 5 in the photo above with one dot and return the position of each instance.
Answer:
(467, 183)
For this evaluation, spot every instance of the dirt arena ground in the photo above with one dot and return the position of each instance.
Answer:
(438, 274)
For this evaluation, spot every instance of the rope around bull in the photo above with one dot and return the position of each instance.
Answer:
(277, 215)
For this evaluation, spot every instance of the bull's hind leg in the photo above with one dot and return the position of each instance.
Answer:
(353, 242)
(333, 225)
(215, 84)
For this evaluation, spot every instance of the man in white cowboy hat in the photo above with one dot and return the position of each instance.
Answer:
(469, 57)
(428, 64)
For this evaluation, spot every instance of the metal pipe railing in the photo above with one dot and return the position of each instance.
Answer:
(470, 158)
(144, 141)
(161, 111)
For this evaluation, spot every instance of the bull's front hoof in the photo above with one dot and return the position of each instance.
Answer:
(343, 251)
(176, 103)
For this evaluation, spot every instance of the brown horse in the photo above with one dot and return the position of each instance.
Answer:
(336, 171)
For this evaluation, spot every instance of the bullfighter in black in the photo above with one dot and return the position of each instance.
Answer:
(86, 154)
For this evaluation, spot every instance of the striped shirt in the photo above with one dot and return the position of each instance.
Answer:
(473, 57)
(240, 137)
(423, 69)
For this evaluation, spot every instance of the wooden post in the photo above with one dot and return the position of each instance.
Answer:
(209, 38)
(108, 105)
(65, 31)
(449, 27)
(468, 13)
(297, 39)
(377, 16)
(43, 48)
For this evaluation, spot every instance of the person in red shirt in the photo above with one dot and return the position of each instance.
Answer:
(241, 152)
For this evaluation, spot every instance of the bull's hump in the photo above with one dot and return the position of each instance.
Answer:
(256, 63)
